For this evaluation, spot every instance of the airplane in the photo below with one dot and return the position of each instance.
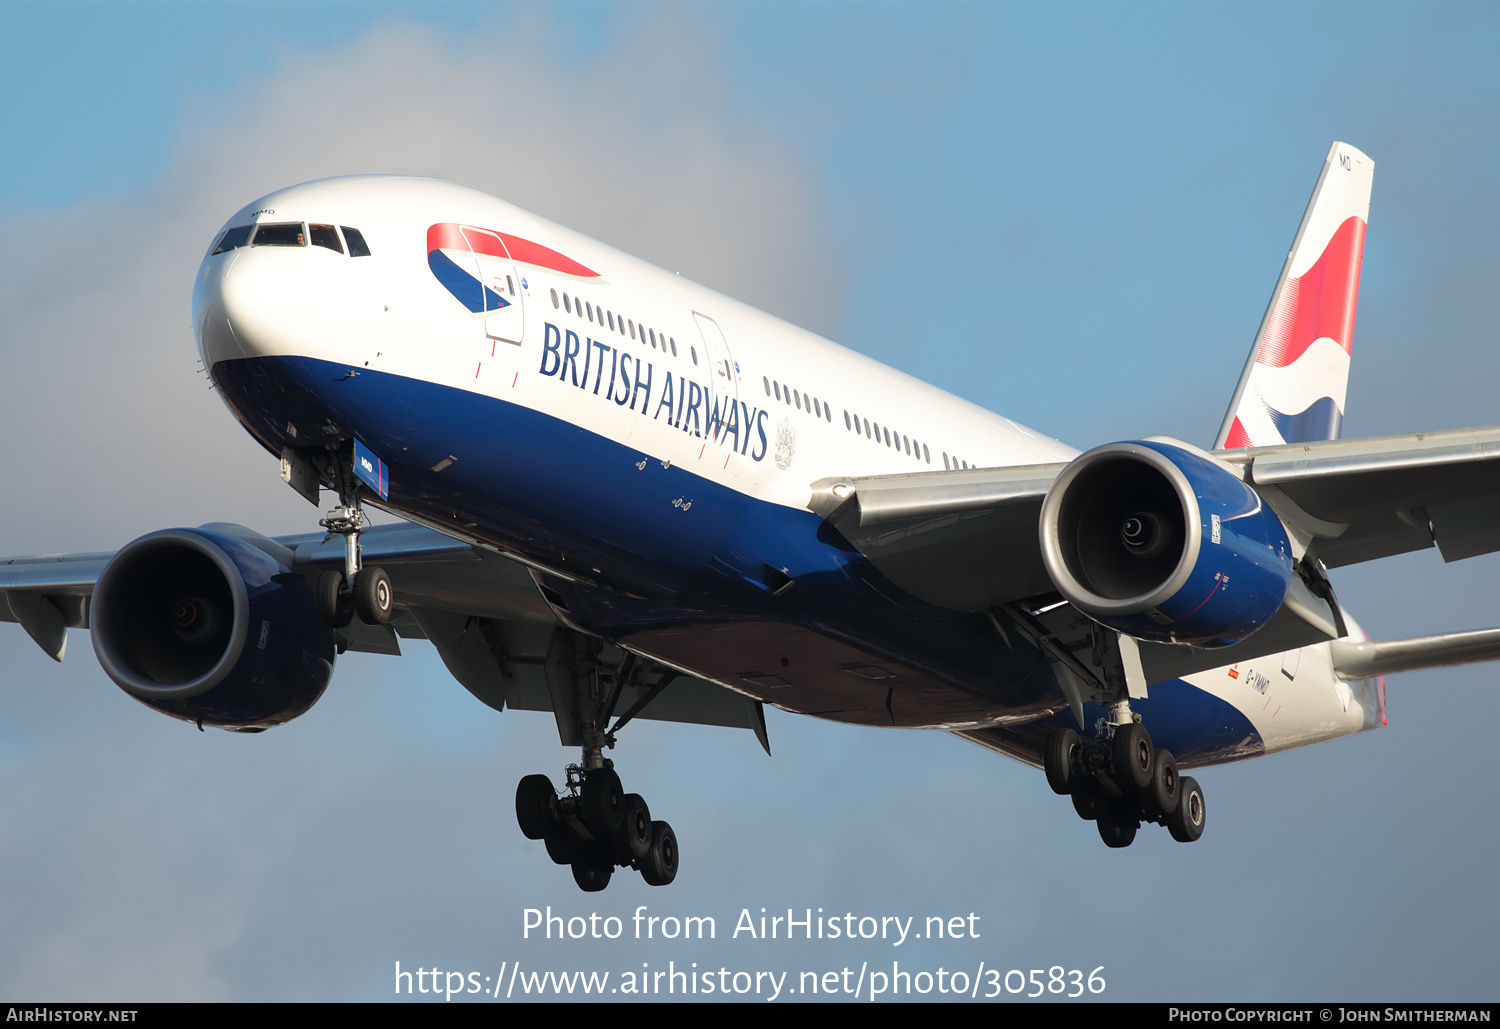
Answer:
(622, 495)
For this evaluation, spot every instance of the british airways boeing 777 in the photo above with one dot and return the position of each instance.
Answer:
(626, 496)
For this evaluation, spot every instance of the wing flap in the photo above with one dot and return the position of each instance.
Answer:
(1388, 495)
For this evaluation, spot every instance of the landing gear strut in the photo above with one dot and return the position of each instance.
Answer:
(592, 824)
(355, 590)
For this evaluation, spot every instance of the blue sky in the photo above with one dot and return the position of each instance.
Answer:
(1070, 213)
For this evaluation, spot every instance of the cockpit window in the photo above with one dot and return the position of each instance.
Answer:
(280, 234)
(356, 240)
(232, 238)
(325, 236)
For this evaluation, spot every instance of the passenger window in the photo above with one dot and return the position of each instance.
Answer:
(846, 419)
(926, 454)
(356, 241)
(631, 322)
(555, 304)
(777, 386)
(767, 383)
(673, 341)
(280, 234)
(694, 351)
(590, 309)
(233, 238)
(325, 236)
(567, 305)
(611, 316)
(907, 444)
(652, 334)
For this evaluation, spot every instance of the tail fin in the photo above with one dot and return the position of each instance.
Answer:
(1292, 389)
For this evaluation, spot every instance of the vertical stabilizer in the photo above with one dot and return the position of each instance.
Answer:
(1292, 389)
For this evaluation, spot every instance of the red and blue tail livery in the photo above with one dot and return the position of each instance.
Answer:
(1293, 387)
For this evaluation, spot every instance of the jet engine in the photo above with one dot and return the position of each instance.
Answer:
(1163, 543)
(210, 629)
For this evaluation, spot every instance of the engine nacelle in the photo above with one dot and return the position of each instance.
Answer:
(1164, 544)
(210, 629)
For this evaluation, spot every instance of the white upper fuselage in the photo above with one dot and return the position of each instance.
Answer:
(389, 312)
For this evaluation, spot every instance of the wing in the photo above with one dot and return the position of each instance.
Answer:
(482, 612)
(972, 540)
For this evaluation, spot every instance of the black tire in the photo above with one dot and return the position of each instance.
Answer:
(1131, 755)
(334, 605)
(591, 877)
(374, 600)
(1089, 799)
(1159, 798)
(536, 806)
(563, 845)
(1188, 818)
(1117, 829)
(633, 839)
(603, 802)
(659, 867)
(1059, 761)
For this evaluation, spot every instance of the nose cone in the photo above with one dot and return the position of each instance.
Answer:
(248, 301)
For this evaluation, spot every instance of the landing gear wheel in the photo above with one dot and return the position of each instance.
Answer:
(591, 877)
(563, 845)
(334, 605)
(1187, 819)
(536, 806)
(659, 867)
(1159, 798)
(1117, 829)
(1059, 762)
(1131, 756)
(1089, 799)
(632, 841)
(603, 802)
(373, 599)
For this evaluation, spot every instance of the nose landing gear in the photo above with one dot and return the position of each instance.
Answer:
(356, 590)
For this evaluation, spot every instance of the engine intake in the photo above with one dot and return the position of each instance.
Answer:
(210, 629)
(1164, 544)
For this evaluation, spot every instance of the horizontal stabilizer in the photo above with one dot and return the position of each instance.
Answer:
(1366, 660)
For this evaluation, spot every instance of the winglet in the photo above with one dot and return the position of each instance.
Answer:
(1293, 387)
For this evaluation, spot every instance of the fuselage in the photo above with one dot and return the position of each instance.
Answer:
(648, 447)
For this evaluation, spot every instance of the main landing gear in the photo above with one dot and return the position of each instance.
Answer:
(1119, 780)
(592, 824)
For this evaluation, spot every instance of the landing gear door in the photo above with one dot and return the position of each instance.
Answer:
(504, 312)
